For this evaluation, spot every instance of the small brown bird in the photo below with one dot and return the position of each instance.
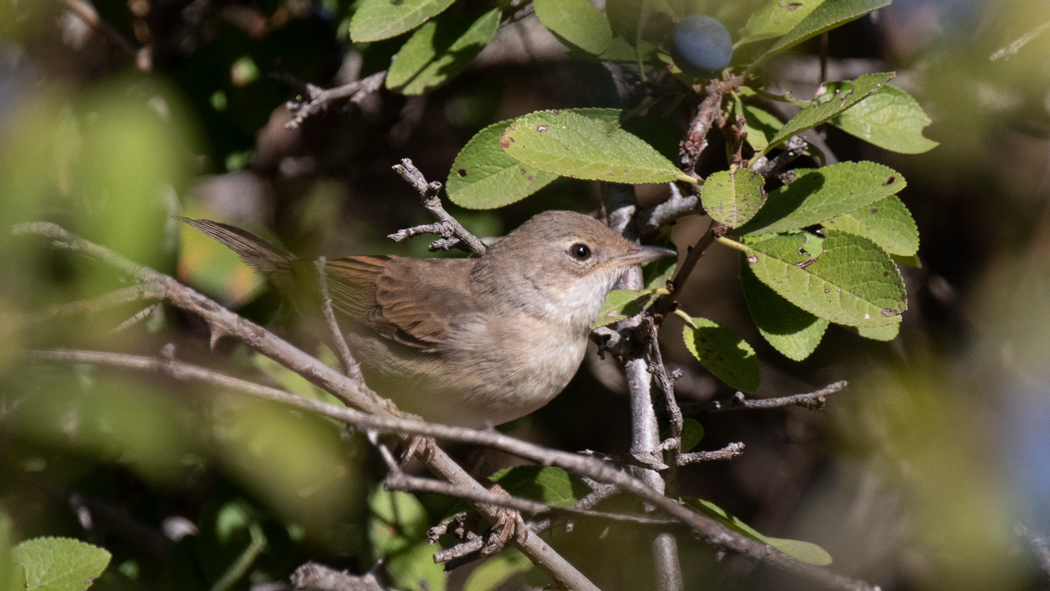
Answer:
(470, 341)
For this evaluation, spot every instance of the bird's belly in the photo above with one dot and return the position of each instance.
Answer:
(473, 387)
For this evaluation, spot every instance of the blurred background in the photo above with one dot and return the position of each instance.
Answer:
(922, 474)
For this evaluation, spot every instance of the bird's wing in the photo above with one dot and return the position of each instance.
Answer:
(414, 302)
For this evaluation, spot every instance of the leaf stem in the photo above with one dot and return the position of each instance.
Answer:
(732, 244)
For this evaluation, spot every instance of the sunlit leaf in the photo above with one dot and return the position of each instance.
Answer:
(622, 303)
(483, 176)
(590, 146)
(886, 222)
(877, 333)
(775, 18)
(821, 194)
(59, 564)
(497, 570)
(853, 282)
(733, 196)
(890, 118)
(549, 485)
(727, 356)
(440, 50)
(760, 125)
(381, 19)
(790, 329)
(824, 17)
(845, 96)
(575, 21)
(807, 552)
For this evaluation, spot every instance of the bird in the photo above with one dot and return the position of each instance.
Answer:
(473, 342)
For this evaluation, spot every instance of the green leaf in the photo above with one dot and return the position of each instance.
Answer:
(911, 261)
(376, 20)
(886, 222)
(775, 18)
(59, 564)
(656, 274)
(760, 125)
(830, 104)
(692, 433)
(727, 356)
(825, 17)
(790, 329)
(577, 22)
(877, 333)
(415, 570)
(483, 176)
(807, 552)
(398, 520)
(853, 282)
(733, 196)
(549, 485)
(820, 194)
(640, 20)
(890, 118)
(440, 50)
(622, 303)
(588, 146)
(497, 570)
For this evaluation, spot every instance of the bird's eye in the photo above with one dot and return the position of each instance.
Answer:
(580, 252)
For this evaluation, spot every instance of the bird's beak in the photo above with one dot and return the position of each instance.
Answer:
(644, 254)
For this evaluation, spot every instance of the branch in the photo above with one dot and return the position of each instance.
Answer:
(702, 526)
(124, 295)
(400, 481)
(650, 219)
(350, 365)
(467, 552)
(772, 167)
(812, 401)
(222, 322)
(452, 233)
(730, 451)
(320, 99)
(317, 577)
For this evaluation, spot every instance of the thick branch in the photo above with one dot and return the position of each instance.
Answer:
(453, 234)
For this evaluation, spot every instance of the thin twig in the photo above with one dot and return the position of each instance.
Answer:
(650, 219)
(135, 319)
(704, 527)
(319, 99)
(730, 451)
(453, 234)
(350, 365)
(399, 481)
(1016, 45)
(124, 295)
(769, 167)
(811, 400)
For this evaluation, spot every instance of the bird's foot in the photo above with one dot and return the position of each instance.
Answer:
(421, 447)
(508, 526)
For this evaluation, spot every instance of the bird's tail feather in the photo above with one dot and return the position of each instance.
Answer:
(268, 258)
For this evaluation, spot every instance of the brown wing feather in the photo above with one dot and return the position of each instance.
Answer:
(409, 301)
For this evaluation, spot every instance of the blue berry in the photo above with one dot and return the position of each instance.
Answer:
(701, 45)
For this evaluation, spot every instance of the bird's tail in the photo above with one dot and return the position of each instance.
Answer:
(266, 257)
